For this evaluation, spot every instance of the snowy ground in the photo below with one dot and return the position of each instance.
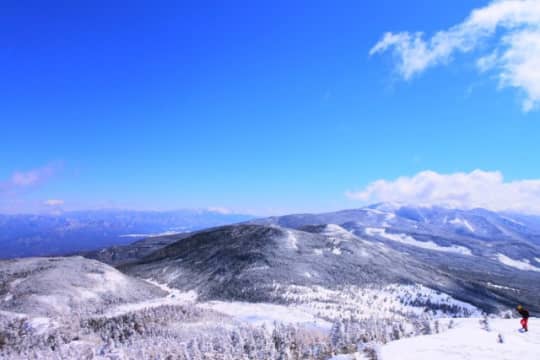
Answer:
(251, 313)
(173, 297)
(468, 340)
(356, 356)
(267, 314)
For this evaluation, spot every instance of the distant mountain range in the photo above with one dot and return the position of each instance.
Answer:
(69, 232)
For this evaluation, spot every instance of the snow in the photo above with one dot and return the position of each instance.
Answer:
(337, 232)
(42, 325)
(58, 302)
(308, 306)
(38, 324)
(69, 285)
(388, 206)
(356, 356)
(337, 235)
(318, 251)
(462, 222)
(517, 264)
(266, 314)
(393, 300)
(513, 220)
(259, 268)
(165, 233)
(375, 211)
(109, 280)
(16, 282)
(495, 286)
(390, 216)
(291, 240)
(409, 240)
(468, 340)
(11, 315)
(173, 297)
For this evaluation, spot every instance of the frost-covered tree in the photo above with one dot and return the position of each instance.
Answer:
(337, 334)
(484, 323)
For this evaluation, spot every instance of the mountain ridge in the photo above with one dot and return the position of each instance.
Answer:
(242, 262)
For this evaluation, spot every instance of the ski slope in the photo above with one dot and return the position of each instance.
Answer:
(468, 340)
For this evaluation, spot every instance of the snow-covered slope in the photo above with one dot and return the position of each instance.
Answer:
(60, 286)
(243, 262)
(319, 307)
(469, 340)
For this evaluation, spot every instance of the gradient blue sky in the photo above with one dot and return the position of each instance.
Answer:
(262, 107)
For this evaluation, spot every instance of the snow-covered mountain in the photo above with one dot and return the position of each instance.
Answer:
(62, 286)
(244, 262)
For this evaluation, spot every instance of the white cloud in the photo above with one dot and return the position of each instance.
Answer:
(485, 189)
(487, 62)
(53, 202)
(509, 30)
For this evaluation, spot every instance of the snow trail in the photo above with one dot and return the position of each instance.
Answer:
(409, 240)
(517, 264)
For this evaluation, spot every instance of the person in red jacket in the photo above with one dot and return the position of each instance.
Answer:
(524, 317)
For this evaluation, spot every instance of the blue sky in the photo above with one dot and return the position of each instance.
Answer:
(257, 107)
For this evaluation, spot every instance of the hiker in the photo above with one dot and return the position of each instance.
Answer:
(525, 317)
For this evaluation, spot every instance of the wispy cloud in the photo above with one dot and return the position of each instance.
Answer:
(507, 32)
(486, 189)
(53, 202)
(21, 179)
(13, 190)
